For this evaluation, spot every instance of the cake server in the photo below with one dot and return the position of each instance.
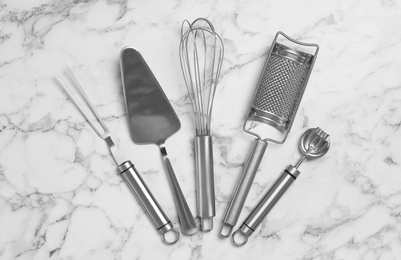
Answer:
(152, 120)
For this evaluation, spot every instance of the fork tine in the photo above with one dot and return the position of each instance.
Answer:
(79, 105)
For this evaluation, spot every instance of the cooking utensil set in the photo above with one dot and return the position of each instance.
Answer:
(152, 120)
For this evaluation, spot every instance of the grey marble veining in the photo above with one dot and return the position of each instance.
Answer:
(61, 198)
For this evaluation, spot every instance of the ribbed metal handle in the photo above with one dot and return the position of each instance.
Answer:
(243, 186)
(205, 202)
(147, 201)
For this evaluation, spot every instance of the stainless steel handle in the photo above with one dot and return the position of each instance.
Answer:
(204, 175)
(147, 201)
(243, 186)
(187, 221)
(268, 201)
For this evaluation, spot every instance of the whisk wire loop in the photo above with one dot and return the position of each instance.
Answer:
(201, 57)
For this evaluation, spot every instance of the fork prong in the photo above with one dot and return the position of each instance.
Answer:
(92, 108)
(78, 86)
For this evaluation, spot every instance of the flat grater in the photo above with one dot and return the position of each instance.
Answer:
(280, 89)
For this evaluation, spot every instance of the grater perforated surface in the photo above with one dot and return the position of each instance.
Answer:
(281, 87)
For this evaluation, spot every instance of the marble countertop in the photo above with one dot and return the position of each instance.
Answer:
(61, 197)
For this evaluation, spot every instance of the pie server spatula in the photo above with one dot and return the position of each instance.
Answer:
(152, 120)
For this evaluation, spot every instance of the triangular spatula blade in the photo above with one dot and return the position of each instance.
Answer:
(152, 119)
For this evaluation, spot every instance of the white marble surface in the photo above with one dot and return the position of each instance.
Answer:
(60, 196)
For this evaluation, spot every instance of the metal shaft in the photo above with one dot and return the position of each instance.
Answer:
(144, 197)
(243, 186)
(205, 205)
(187, 221)
(268, 201)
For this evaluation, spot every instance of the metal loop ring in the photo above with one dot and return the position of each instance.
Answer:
(177, 236)
(243, 235)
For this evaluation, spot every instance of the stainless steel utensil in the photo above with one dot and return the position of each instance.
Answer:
(201, 56)
(276, 101)
(126, 169)
(152, 120)
(313, 144)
